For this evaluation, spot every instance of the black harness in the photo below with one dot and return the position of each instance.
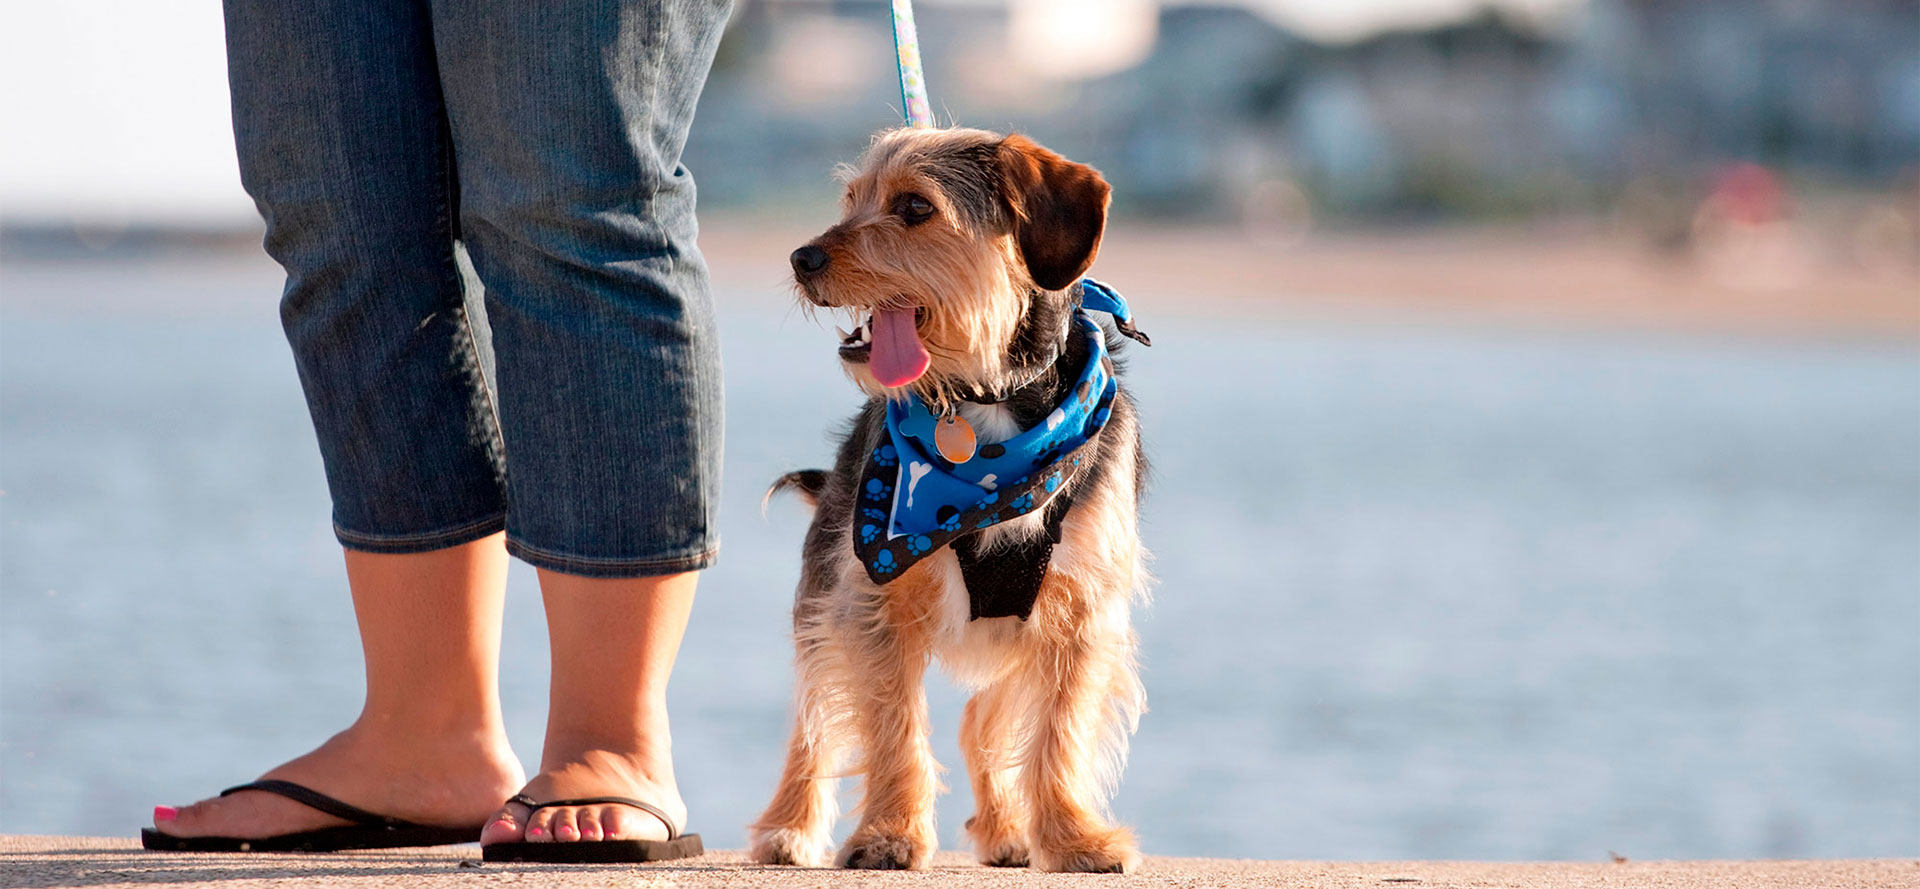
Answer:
(1004, 581)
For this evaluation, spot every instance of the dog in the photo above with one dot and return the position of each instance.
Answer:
(960, 256)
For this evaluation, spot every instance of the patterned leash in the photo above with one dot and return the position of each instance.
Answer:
(913, 84)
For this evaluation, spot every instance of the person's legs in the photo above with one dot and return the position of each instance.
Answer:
(342, 141)
(429, 746)
(568, 119)
(614, 643)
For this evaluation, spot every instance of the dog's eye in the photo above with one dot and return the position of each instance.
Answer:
(913, 208)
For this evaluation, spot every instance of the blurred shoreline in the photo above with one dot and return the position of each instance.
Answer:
(1766, 281)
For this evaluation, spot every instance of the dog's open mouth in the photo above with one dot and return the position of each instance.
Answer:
(888, 342)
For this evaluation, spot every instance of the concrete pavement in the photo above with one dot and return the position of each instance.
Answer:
(44, 861)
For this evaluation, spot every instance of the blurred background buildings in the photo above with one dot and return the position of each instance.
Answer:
(1284, 114)
(1196, 109)
(1670, 118)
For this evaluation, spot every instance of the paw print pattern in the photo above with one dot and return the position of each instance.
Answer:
(891, 537)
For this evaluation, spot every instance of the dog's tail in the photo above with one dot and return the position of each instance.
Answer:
(808, 483)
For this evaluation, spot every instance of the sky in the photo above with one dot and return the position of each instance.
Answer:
(114, 112)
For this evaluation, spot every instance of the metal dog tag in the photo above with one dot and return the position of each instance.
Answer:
(953, 436)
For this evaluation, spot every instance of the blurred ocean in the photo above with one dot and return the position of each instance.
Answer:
(1425, 592)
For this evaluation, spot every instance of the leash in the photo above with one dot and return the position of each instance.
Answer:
(913, 83)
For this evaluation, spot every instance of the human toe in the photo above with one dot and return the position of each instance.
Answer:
(540, 826)
(590, 824)
(506, 826)
(628, 823)
(565, 825)
(166, 819)
(198, 819)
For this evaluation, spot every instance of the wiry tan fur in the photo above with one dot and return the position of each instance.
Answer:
(969, 281)
(1057, 695)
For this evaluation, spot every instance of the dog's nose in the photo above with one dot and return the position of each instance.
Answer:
(808, 260)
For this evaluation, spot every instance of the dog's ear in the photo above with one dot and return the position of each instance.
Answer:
(1059, 210)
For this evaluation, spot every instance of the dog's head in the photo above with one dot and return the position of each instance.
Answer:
(953, 256)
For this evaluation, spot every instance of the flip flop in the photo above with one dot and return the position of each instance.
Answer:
(597, 851)
(368, 831)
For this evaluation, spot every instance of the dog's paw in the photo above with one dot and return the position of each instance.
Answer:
(1110, 851)
(999, 847)
(788, 846)
(1009, 852)
(885, 852)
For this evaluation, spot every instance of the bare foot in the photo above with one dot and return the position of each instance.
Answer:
(439, 782)
(587, 769)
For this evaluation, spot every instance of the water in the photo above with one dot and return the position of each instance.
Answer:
(1423, 592)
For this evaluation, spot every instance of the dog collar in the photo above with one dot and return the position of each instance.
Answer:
(1091, 294)
(913, 501)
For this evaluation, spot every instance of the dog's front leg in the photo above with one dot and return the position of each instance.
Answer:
(797, 826)
(1087, 696)
(887, 653)
(987, 731)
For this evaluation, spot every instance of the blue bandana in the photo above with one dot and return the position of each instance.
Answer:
(914, 501)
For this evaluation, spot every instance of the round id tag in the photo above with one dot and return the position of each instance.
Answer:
(953, 437)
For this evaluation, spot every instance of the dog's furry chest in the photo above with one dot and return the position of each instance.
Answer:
(976, 651)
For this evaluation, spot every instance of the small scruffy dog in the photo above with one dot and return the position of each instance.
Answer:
(981, 509)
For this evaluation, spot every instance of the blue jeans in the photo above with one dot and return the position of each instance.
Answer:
(577, 404)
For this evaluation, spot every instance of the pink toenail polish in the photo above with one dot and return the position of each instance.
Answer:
(566, 833)
(165, 813)
(536, 832)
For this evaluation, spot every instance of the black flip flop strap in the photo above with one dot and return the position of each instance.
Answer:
(673, 833)
(314, 799)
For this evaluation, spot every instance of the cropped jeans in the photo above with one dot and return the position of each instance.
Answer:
(575, 401)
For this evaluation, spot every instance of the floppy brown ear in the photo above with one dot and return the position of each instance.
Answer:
(1059, 210)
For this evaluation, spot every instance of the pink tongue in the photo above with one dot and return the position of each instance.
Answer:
(897, 358)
